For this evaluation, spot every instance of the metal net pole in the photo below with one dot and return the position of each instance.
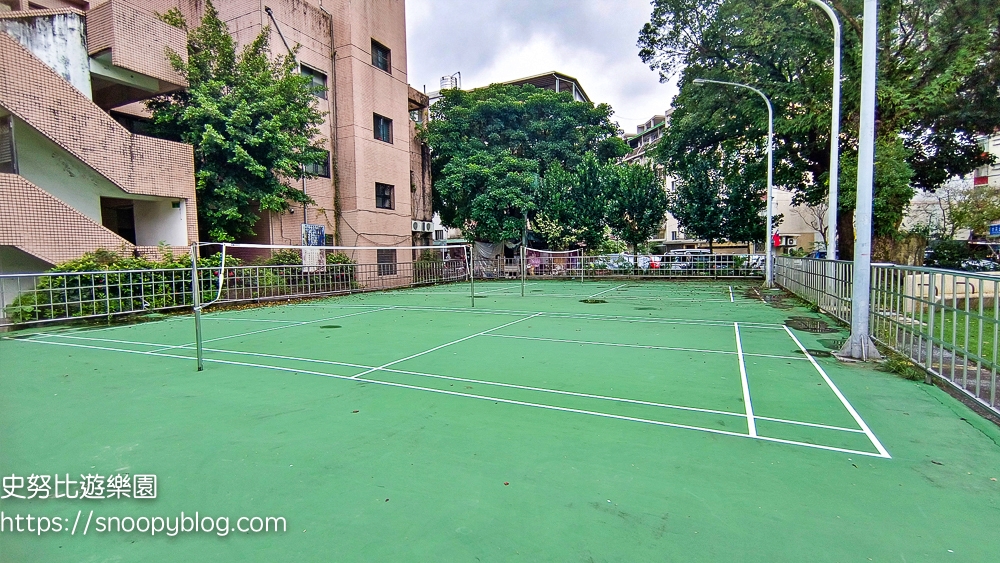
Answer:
(196, 297)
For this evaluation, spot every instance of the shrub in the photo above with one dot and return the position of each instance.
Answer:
(104, 282)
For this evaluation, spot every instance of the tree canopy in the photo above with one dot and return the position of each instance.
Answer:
(252, 119)
(939, 72)
(502, 151)
(636, 202)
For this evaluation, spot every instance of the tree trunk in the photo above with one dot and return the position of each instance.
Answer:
(906, 251)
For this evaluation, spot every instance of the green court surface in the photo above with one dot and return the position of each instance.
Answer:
(598, 421)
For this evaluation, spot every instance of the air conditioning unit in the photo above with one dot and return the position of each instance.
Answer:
(417, 226)
(428, 226)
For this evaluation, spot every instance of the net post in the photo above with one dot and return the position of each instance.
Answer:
(524, 252)
(196, 297)
(472, 275)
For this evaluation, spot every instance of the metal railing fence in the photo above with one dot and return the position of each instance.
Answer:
(945, 321)
(27, 299)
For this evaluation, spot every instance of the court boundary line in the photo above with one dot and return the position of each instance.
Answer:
(850, 408)
(751, 424)
(436, 348)
(464, 380)
(585, 316)
(643, 346)
(188, 345)
(606, 291)
(474, 396)
(731, 298)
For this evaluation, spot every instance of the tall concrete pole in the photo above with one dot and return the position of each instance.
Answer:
(860, 345)
(831, 214)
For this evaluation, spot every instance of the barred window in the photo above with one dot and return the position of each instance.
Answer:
(386, 258)
(383, 128)
(318, 80)
(381, 56)
(321, 169)
(384, 196)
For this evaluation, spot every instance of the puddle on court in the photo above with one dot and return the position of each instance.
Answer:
(816, 353)
(330, 326)
(809, 324)
(832, 343)
(592, 301)
(777, 299)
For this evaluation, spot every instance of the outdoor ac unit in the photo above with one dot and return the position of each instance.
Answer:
(428, 226)
(417, 226)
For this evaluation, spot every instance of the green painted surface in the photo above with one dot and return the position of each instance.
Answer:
(512, 445)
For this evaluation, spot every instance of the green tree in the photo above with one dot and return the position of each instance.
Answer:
(697, 202)
(252, 119)
(939, 66)
(479, 136)
(487, 194)
(637, 203)
(977, 208)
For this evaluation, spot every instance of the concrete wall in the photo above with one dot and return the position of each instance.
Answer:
(159, 222)
(55, 170)
(15, 261)
(59, 41)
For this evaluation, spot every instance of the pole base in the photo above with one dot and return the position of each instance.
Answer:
(859, 348)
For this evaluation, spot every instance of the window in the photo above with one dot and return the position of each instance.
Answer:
(321, 169)
(8, 162)
(416, 115)
(386, 258)
(383, 128)
(318, 80)
(381, 57)
(384, 196)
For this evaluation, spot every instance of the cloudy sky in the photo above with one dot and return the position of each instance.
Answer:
(497, 40)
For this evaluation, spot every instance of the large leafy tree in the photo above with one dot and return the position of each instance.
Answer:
(637, 203)
(252, 119)
(492, 146)
(939, 72)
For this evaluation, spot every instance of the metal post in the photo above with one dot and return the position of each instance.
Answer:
(196, 298)
(524, 252)
(831, 214)
(472, 274)
(860, 345)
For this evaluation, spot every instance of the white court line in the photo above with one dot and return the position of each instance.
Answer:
(751, 425)
(213, 318)
(592, 316)
(483, 382)
(383, 366)
(731, 298)
(810, 424)
(469, 395)
(642, 346)
(273, 328)
(857, 418)
(607, 290)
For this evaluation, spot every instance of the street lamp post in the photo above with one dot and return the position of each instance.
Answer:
(831, 213)
(860, 345)
(768, 266)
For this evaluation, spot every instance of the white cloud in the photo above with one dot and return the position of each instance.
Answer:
(498, 40)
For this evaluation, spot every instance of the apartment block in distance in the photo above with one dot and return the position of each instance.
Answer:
(72, 178)
(368, 193)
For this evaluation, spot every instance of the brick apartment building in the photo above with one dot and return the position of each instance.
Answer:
(72, 179)
(374, 192)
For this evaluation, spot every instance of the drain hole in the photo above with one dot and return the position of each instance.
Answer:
(330, 326)
(592, 301)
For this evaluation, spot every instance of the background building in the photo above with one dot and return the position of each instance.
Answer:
(375, 190)
(73, 179)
